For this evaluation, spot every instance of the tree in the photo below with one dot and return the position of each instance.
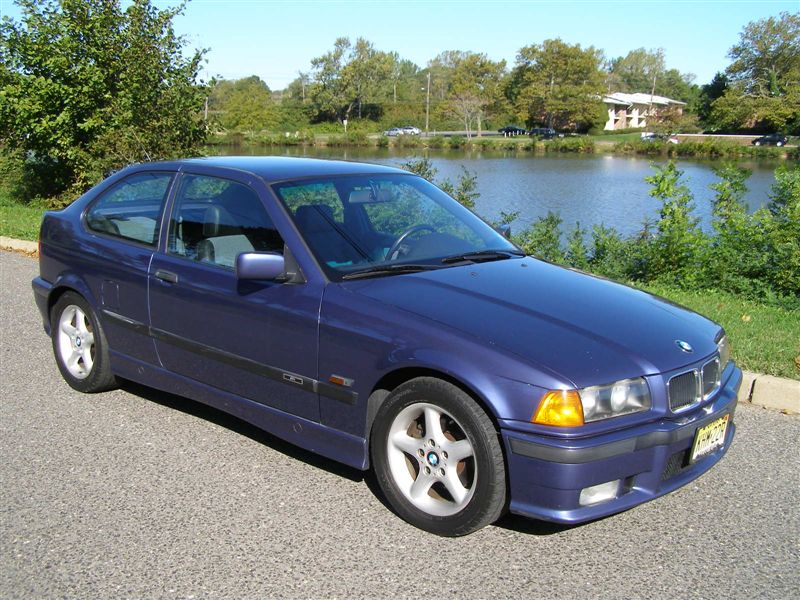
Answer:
(638, 71)
(475, 89)
(558, 85)
(88, 87)
(241, 104)
(347, 77)
(709, 93)
(764, 78)
(766, 61)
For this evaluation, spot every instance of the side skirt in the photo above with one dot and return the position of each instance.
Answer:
(317, 438)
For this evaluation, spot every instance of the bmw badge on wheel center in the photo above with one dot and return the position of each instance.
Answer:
(359, 312)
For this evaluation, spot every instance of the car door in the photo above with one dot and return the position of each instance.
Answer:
(257, 340)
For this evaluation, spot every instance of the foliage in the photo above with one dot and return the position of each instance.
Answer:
(543, 238)
(241, 104)
(557, 85)
(784, 231)
(20, 221)
(348, 77)
(709, 93)
(754, 255)
(763, 92)
(570, 144)
(88, 87)
(644, 70)
(464, 190)
(474, 90)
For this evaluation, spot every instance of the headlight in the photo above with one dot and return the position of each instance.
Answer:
(724, 349)
(615, 399)
(573, 408)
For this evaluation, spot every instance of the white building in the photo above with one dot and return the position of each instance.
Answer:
(633, 110)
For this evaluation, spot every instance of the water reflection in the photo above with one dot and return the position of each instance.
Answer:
(582, 189)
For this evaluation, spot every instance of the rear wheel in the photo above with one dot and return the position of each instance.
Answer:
(79, 345)
(437, 458)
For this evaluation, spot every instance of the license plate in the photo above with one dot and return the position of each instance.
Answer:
(709, 437)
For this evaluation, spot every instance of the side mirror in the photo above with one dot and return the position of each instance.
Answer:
(259, 266)
(504, 230)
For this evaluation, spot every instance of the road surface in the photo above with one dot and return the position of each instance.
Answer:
(136, 493)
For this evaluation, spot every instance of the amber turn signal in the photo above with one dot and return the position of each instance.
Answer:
(560, 408)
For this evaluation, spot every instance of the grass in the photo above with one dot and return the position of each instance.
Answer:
(19, 221)
(765, 339)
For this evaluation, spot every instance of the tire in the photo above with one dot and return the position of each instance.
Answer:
(437, 458)
(79, 345)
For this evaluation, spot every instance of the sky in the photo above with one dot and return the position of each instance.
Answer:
(276, 39)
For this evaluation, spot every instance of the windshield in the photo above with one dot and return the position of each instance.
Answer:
(385, 223)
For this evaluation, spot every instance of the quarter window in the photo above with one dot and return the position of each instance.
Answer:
(131, 209)
(215, 220)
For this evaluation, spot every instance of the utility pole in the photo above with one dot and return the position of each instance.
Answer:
(428, 104)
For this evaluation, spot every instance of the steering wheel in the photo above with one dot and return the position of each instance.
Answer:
(402, 238)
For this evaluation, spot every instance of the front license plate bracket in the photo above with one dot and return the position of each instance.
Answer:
(709, 437)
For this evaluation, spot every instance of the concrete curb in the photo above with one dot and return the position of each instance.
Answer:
(8, 243)
(762, 390)
(770, 392)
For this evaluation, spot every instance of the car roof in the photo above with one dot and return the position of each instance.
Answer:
(280, 168)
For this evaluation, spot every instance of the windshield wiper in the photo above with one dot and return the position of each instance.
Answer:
(389, 270)
(482, 256)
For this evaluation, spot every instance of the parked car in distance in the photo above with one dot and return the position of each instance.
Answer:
(411, 130)
(772, 139)
(393, 132)
(544, 133)
(361, 313)
(660, 137)
(511, 130)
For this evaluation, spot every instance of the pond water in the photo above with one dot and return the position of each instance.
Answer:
(585, 189)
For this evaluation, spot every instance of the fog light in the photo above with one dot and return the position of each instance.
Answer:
(599, 493)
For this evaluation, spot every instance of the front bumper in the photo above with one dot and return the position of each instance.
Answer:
(547, 475)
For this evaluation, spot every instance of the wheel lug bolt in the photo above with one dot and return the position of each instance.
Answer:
(431, 443)
(427, 470)
(441, 472)
(421, 453)
(444, 454)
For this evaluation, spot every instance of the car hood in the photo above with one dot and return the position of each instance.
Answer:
(585, 328)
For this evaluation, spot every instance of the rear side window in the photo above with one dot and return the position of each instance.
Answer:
(131, 208)
(215, 220)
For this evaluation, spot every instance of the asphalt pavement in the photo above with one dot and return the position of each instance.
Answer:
(136, 493)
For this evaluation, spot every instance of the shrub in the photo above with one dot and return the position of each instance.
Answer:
(570, 144)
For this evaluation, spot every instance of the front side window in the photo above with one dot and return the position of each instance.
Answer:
(214, 220)
(131, 208)
(372, 225)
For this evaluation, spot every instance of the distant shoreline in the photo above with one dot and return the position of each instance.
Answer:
(630, 144)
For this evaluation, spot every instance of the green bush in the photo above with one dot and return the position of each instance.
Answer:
(456, 142)
(754, 256)
(437, 142)
(570, 144)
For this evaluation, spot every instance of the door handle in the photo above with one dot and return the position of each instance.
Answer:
(167, 276)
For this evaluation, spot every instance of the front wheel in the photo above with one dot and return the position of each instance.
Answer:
(79, 345)
(437, 458)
